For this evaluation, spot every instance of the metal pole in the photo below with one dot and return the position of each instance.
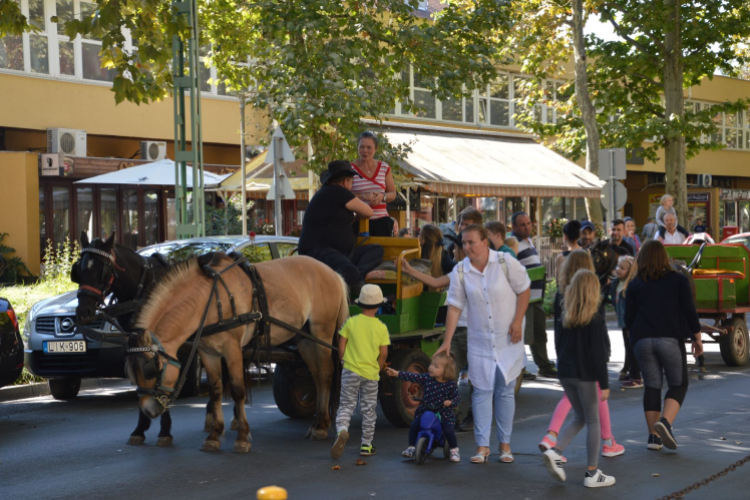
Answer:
(538, 221)
(243, 164)
(408, 209)
(612, 203)
(277, 185)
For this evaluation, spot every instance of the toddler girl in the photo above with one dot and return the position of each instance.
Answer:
(582, 363)
(439, 388)
(667, 207)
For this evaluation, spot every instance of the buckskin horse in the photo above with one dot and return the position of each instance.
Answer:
(105, 267)
(281, 297)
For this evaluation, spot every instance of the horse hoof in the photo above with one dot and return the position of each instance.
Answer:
(164, 441)
(318, 435)
(136, 440)
(234, 425)
(242, 447)
(210, 445)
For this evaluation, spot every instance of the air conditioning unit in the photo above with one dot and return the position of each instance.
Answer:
(704, 180)
(66, 141)
(153, 150)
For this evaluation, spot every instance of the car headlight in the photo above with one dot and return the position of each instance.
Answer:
(29, 321)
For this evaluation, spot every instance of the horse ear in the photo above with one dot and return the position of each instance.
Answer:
(84, 239)
(109, 243)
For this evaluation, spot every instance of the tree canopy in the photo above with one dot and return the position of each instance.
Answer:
(318, 67)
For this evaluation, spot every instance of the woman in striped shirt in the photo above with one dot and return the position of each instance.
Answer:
(374, 185)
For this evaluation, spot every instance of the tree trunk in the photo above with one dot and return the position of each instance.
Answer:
(593, 205)
(674, 144)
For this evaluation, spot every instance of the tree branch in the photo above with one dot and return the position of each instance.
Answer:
(620, 32)
(649, 80)
(658, 42)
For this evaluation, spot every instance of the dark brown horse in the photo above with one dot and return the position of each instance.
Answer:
(300, 291)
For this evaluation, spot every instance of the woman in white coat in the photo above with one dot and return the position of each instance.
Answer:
(495, 293)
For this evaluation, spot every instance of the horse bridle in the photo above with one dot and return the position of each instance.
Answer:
(150, 370)
(110, 267)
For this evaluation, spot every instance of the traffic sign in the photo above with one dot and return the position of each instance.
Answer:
(610, 159)
(620, 196)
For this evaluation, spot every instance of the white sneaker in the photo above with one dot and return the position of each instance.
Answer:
(454, 455)
(598, 480)
(554, 464)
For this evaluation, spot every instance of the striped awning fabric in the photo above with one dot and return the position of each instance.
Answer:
(448, 188)
(478, 163)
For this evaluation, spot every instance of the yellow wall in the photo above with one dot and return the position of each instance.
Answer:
(19, 205)
(41, 103)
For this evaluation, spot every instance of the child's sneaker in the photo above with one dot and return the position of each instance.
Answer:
(455, 457)
(624, 376)
(614, 450)
(654, 442)
(409, 453)
(338, 445)
(554, 464)
(548, 444)
(597, 479)
(664, 430)
(633, 383)
(367, 450)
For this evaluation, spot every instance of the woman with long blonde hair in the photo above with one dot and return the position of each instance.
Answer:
(625, 272)
(578, 261)
(582, 364)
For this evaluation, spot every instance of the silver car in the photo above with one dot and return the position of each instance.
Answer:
(54, 350)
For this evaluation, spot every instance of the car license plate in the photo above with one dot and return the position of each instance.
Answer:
(66, 347)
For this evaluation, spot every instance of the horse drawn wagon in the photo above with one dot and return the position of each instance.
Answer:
(721, 274)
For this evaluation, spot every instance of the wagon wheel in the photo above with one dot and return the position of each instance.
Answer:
(734, 345)
(399, 400)
(294, 390)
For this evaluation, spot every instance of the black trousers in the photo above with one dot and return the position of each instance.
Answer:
(365, 259)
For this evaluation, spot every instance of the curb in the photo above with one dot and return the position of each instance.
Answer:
(16, 392)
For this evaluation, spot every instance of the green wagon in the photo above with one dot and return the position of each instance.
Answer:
(721, 274)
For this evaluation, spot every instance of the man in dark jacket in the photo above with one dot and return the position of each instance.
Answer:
(327, 227)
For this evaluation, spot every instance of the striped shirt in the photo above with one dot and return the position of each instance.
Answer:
(528, 256)
(376, 184)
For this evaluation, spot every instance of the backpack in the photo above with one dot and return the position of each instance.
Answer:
(503, 263)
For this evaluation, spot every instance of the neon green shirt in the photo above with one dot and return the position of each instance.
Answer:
(364, 336)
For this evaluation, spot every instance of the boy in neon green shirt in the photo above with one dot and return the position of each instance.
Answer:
(363, 348)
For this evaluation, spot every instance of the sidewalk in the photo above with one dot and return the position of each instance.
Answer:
(14, 392)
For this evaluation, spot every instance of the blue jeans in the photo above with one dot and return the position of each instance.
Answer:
(504, 405)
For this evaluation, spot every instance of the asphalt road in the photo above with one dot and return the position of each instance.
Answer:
(51, 449)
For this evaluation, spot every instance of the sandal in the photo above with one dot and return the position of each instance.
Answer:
(480, 458)
(506, 457)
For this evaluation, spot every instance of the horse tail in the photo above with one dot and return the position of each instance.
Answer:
(333, 404)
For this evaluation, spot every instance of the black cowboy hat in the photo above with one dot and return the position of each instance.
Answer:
(337, 168)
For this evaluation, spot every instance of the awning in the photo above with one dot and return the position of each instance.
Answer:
(234, 181)
(483, 164)
(159, 173)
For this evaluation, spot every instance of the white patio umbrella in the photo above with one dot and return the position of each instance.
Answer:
(159, 173)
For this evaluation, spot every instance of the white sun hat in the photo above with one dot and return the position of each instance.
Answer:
(370, 296)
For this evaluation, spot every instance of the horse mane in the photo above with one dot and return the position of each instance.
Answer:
(179, 276)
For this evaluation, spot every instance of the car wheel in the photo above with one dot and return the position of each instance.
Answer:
(64, 388)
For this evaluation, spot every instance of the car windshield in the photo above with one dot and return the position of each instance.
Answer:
(182, 251)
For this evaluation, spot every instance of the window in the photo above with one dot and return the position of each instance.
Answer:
(85, 211)
(60, 214)
(285, 249)
(107, 212)
(130, 218)
(51, 52)
(732, 129)
(260, 252)
(493, 105)
(150, 217)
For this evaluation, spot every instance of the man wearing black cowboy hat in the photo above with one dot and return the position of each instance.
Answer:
(327, 227)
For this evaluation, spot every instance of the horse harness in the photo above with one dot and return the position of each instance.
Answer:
(109, 274)
(165, 395)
